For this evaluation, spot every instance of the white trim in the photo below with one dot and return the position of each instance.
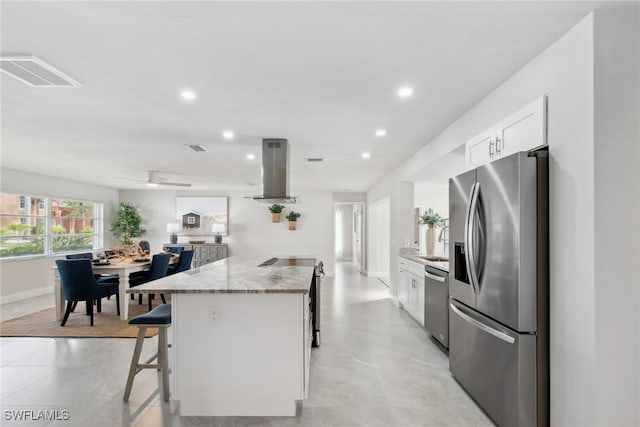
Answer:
(19, 296)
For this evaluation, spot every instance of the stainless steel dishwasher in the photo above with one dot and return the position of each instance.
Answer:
(436, 304)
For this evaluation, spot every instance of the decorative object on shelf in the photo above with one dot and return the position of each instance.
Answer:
(173, 228)
(431, 220)
(275, 210)
(197, 215)
(197, 242)
(218, 229)
(128, 223)
(292, 217)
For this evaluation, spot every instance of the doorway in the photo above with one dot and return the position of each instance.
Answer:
(380, 239)
(349, 234)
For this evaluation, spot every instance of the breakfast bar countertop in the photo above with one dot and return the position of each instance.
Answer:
(235, 274)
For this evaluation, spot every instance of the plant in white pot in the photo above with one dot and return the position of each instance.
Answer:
(431, 220)
(275, 210)
(292, 217)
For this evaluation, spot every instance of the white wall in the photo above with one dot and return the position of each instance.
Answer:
(251, 231)
(617, 218)
(584, 363)
(25, 278)
(436, 197)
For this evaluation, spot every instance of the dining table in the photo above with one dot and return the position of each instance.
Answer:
(123, 267)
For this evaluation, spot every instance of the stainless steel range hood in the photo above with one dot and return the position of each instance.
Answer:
(275, 172)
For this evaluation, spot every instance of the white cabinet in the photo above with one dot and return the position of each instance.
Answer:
(403, 284)
(411, 288)
(523, 130)
(204, 253)
(480, 148)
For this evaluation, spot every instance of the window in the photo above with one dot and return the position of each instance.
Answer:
(37, 225)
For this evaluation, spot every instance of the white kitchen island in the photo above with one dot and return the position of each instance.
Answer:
(241, 337)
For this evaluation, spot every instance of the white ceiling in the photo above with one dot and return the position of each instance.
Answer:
(322, 75)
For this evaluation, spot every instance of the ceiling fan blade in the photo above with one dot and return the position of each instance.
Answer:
(174, 184)
(131, 180)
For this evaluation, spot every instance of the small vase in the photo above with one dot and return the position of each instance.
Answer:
(431, 240)
(292, 225)
(275, 217)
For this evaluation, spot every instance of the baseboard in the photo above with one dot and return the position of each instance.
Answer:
(19, 296)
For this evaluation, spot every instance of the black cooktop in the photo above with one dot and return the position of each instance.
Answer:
(284, 262)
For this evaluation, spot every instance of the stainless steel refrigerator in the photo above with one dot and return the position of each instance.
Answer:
(499, 281)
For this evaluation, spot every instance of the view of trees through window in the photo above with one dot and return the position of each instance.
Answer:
(37, 225)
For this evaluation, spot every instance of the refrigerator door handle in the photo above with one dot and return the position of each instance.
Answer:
(469, 240)
(486, 328)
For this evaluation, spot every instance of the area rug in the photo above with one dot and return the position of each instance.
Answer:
(105, 325)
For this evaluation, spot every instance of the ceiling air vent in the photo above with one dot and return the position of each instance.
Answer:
(35, 72)
(197, 148)
(315, 159)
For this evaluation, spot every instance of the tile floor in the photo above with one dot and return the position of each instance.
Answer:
(376, 367)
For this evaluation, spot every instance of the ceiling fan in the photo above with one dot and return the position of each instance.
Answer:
(154, 179)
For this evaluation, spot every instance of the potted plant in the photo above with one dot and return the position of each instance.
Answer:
(128, 223)
(275, 210)
(293, 217)
(431, 220)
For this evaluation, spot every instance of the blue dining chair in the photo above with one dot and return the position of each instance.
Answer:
(101, 278)
(158, 270)
(78, 284)
(183, 264)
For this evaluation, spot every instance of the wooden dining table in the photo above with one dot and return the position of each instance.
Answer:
(123, 267)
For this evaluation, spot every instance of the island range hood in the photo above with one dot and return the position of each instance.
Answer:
(275, 172)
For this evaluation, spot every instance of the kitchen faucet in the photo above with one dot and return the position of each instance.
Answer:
(442, 237)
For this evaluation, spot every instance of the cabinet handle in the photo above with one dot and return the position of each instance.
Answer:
(491, 148)
(498, 140)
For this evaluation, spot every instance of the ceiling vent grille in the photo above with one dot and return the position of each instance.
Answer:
(315, 159)
(197, 148)
(35, 72)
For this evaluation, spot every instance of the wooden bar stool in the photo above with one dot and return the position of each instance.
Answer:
(159, 317)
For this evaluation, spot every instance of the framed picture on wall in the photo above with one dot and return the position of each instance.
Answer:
(198, 215)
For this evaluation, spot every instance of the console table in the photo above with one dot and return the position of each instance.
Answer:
(204, 253)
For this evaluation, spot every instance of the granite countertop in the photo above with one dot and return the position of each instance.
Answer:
(234, 275)
(440, 265)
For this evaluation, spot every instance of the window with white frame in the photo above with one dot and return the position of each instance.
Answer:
(38, 225)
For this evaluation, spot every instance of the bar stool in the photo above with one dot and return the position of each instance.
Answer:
(159, 317)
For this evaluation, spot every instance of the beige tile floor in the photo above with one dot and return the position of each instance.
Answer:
(376, 367)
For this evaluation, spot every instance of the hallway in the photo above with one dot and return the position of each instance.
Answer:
(376, 367)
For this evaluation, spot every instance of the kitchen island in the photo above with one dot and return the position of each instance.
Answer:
(241, 337)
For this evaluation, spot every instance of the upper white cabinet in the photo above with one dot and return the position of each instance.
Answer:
(523, 130)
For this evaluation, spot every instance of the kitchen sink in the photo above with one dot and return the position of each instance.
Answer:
(434, 258)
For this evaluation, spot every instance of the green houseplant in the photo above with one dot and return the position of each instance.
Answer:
(292, 217)
(275, 210)
(431, 219)
(128, 223)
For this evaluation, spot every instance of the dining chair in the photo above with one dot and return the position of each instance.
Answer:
(158, 270)
(78, 284)
(113, 279)
(183, 264)
(101, 278)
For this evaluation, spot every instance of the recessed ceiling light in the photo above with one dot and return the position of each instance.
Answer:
(381, 132)
(251, 156)
(151, 184)
(228, 134)
(366, 155)
(405, 92)
(188, 95)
